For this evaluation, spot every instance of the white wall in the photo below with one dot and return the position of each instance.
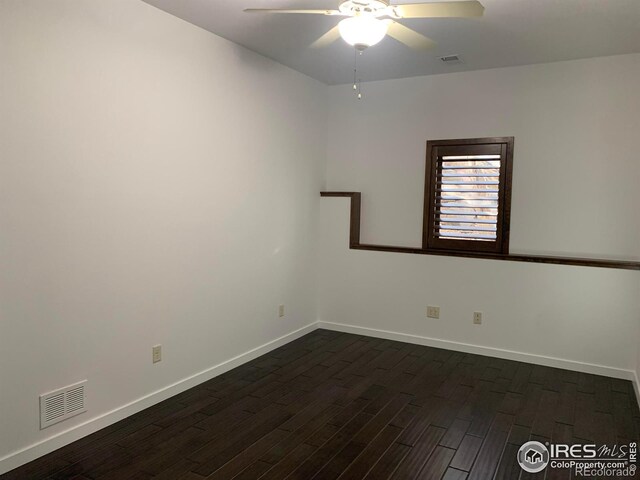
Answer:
(158, 184)
(575, 192)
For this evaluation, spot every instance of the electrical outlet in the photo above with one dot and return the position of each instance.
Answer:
(281, 310)
(477, 318)
(433, 312)
(156, 353)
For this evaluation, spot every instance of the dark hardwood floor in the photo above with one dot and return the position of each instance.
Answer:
(332, 405)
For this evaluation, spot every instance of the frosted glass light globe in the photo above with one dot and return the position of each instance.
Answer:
(362, 31)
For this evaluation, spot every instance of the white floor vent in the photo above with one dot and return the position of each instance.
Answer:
(62, 404)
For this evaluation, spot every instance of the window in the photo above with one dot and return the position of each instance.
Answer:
(468, 195)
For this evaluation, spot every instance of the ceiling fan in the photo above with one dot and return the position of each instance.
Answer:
(368, 21)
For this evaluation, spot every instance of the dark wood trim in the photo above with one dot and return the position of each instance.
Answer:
(354, 222)
(427, 212)
(354, 243)
(506, 201)
(469, 146)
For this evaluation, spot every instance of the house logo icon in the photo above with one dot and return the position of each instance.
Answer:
(533, 457)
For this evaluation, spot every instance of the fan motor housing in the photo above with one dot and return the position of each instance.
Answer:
(355, 7)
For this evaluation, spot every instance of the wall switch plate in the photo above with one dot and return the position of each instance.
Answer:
(156, 353)
(433, 312)
(281, 310)
(477, 318)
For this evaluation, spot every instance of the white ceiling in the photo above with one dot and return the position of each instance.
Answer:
(512, 32)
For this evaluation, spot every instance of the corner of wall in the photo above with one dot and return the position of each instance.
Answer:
(49, 444)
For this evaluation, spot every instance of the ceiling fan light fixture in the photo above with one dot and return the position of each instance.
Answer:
(362, 31)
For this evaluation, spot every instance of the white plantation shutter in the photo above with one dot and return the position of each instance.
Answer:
(467, 197)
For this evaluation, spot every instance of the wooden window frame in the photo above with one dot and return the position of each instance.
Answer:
(469, 146)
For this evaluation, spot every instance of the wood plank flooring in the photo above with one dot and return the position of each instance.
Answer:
(338, 406)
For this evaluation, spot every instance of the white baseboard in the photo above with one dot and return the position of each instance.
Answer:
(36, 450)
(480, 350)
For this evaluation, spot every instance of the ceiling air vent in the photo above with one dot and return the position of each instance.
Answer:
(451, 59)
(62, 404)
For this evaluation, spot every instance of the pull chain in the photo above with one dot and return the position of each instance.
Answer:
(355, 69)
(357, 83)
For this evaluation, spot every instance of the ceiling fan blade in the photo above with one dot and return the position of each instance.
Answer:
(327, 39)
(409, 37)
(275, 10)
(439, 9)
